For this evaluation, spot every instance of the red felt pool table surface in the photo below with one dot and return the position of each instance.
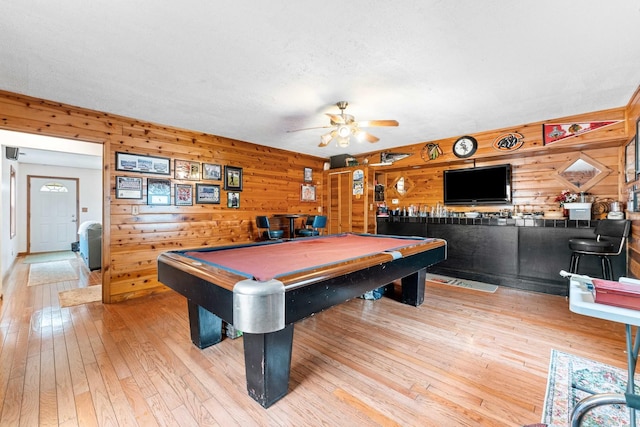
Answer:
(268, 261)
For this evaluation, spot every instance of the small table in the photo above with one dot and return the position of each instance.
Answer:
(263, 288)
(581, 301)
(292, 220)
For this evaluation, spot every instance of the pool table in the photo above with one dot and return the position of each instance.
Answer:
(263, 288)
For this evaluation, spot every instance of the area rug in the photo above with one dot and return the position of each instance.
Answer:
(51, 272)
(461, 283)
(48, 257)
(571, 379)
(80, 296)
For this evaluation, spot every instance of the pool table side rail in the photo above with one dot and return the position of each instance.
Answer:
(220, 276)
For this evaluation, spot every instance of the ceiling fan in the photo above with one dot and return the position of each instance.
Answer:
(345, 126)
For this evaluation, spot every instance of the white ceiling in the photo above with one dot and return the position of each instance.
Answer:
(59, 158)
(42, 150)
(253, 70)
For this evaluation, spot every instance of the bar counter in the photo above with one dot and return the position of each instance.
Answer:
(524, 253)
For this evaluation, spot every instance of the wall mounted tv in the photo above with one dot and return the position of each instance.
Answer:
(488, 185)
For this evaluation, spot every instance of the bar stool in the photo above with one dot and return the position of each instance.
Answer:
(611, 235)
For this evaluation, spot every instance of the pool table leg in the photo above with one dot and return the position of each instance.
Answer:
(267, 360)
(206, 327)
(413, 288)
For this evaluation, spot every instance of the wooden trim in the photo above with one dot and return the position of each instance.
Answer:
(28, 195)
(106, 222)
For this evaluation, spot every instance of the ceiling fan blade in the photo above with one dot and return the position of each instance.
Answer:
(370, 137)
(315, 127)
(327, 138)
(370, 123)
(337, 119)
(341, 119)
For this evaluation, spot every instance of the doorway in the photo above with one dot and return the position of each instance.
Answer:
(52, 213)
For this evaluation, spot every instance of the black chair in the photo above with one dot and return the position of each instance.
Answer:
(611, 235)
(262, 222)
(313, 226)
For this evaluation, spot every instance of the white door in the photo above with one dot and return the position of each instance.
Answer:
(53, 214)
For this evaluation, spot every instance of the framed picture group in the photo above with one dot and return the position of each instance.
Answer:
(159, 189)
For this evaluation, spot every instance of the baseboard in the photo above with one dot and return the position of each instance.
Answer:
(553, 287)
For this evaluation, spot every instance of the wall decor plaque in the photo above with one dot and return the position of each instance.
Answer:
(508, 142)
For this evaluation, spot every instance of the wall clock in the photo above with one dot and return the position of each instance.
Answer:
(465, 146)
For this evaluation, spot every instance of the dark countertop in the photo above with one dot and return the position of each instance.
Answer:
(518, 222)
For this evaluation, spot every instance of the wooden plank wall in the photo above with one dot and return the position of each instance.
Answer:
(633, 116)
(535, 186)
(272, 179)
(271, 184)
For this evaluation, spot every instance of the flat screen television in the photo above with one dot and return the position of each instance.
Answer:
(487, 185)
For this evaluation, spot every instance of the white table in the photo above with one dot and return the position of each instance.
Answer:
(581, 301)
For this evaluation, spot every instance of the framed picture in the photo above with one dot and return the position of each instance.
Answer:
(233, 199)
(232, 178)
(158, 191)
(211, 171)
(307, 193)
(630, 161)
(308, 175)
(184, 195)
(208, 193)
(185, 169)
(128, 187)
(140, 163)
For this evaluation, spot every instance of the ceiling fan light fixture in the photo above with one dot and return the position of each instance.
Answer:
(344, 131)
(342, 142)
(345, 126)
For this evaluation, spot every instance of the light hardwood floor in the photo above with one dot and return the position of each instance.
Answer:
(463, 358)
